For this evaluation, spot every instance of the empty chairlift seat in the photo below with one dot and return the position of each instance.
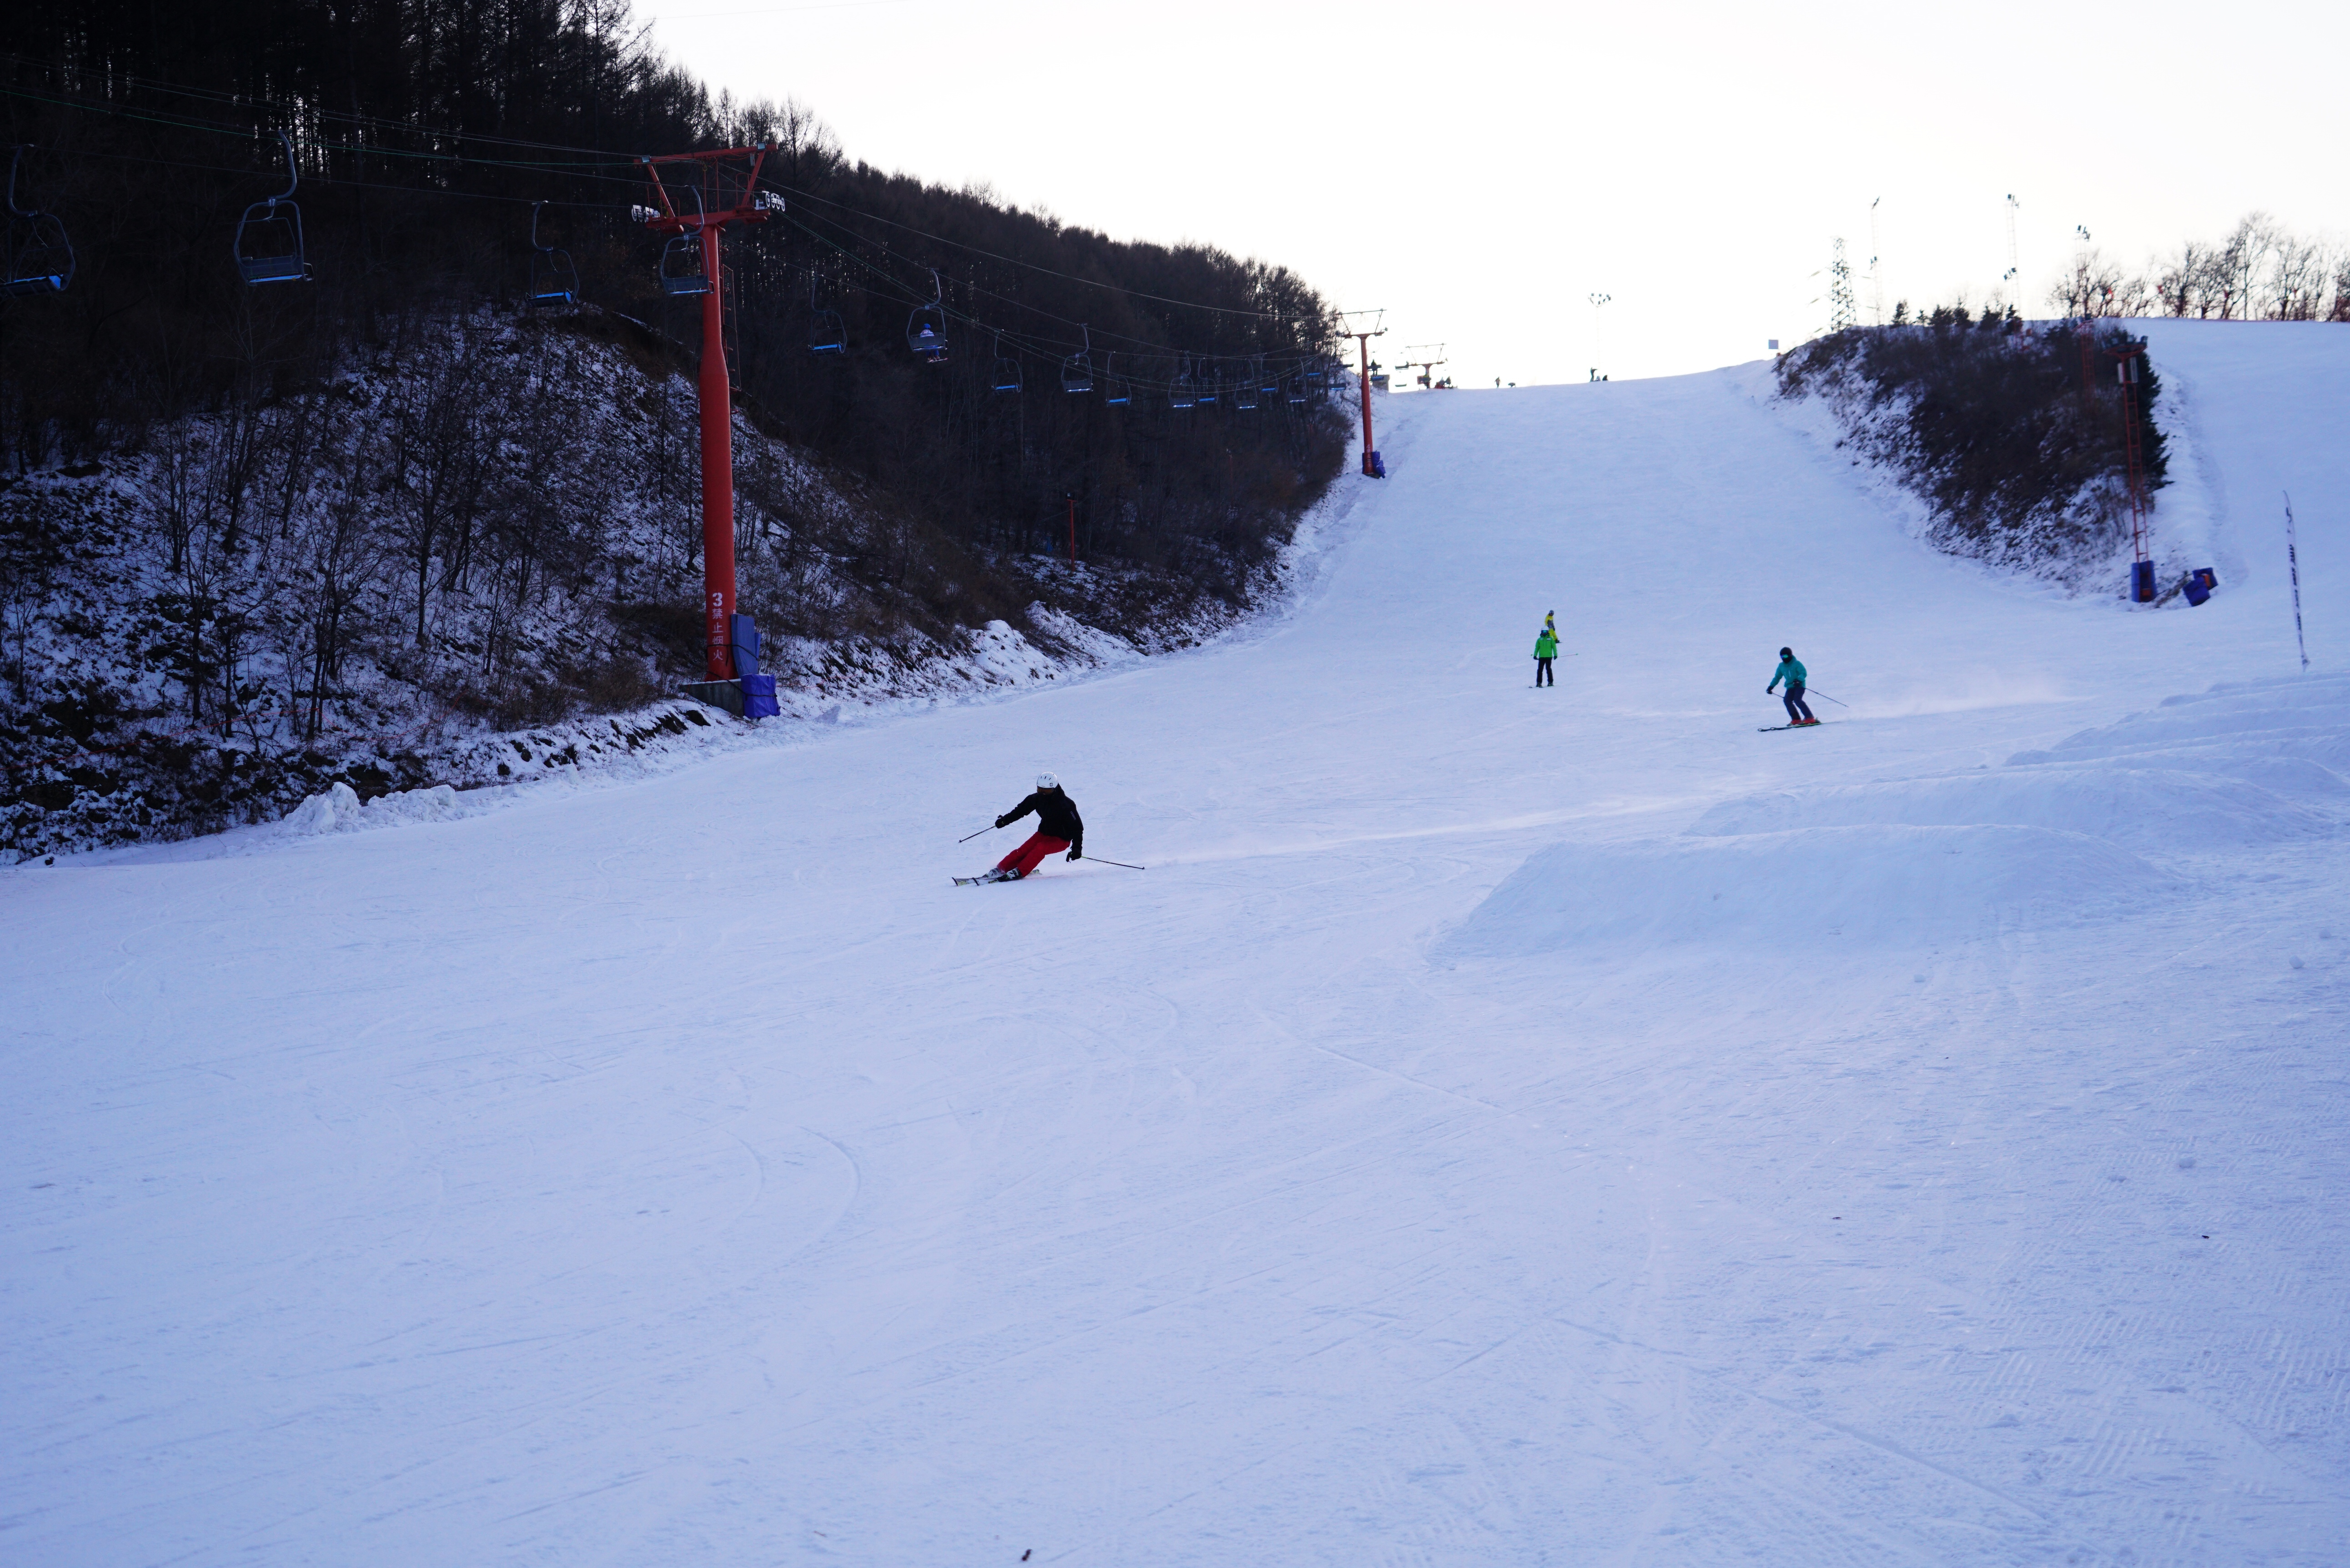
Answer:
(553, 279)
(681, 267)
(827, 333)
(1077, 370)
(40, 255)
(268, 245)
(1005, 376)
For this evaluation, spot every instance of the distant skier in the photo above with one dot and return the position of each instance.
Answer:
(1058, 827)
(1799, 712)
(1546, 650)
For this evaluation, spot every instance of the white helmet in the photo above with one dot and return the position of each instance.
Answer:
(1047, 780)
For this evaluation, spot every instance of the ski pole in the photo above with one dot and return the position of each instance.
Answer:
(967, 837)
(1815, 691)
(1117, 863)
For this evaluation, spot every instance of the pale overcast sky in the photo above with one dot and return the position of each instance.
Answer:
(1480, 170)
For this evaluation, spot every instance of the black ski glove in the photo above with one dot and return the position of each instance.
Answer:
(1002, 820)
(1077, 852)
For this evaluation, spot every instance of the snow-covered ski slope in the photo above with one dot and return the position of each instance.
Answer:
(1503, 1126)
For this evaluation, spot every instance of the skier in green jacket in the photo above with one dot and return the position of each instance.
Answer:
(1799, 712)
(1546, 650)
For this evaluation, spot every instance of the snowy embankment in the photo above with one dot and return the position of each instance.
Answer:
(838, 688)
(1419, 1163)
(470, 560)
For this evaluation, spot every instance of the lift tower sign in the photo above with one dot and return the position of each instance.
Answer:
(702, 193)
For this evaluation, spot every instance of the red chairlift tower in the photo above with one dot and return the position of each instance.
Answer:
(1427, 367)
(1372, 467)
(2128, 371)
(722, 189)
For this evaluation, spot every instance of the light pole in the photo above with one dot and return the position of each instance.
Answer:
(1596, 301)
(2013, 204)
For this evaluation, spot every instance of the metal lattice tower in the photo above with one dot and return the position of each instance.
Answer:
(1843, 311)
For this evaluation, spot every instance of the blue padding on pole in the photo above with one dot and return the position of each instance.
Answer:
(744, 635)
(2142, 581)
(2196, 592)
(759, 697)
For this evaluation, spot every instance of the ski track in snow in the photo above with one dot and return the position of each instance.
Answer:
(1419, 1165)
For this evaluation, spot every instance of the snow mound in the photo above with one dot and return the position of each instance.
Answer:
(1892, 885)
(2287, 768)
(340, 810)
(2291, 736)
(2141, 808)
(2307, 718)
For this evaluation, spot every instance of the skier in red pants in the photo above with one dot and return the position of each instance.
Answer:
(1058, 827)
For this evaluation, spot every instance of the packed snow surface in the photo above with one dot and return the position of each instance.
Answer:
(1502, 1126)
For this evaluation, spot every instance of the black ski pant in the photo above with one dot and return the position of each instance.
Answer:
(1798, 710)
(1542, 673)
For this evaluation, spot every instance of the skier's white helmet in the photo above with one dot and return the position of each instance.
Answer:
(1047, 780)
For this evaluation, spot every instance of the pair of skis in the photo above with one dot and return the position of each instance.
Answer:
(986, 876)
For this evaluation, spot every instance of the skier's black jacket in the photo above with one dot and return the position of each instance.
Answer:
(1057, 817)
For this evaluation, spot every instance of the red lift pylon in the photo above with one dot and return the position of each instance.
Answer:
(718, 200)
(1372, 467)
(2128, 371)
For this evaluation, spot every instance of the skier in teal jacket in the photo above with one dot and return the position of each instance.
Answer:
(1799, 712)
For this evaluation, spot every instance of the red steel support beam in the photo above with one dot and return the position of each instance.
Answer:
(715, 206)
(717, 469)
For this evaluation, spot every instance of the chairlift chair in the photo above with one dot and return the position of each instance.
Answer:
(1212, 385)
(1296, 384)
(926, 328)
(681, 269)
(1005, 376)
(1115, 393)
(553, 279)
(1183, 391)
(827, 333)
(681, 265)
(1245, 390)
(1315, 373)
(268, 241)
(1077, 370)
(40, 255)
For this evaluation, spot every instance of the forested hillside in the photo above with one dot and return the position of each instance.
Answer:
(250, 531)
(2011, 434)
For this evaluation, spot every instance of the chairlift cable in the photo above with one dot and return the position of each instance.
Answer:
(1042, 348)
(247, 131)
(578, 171)
(1033, 266)
(314, 112)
